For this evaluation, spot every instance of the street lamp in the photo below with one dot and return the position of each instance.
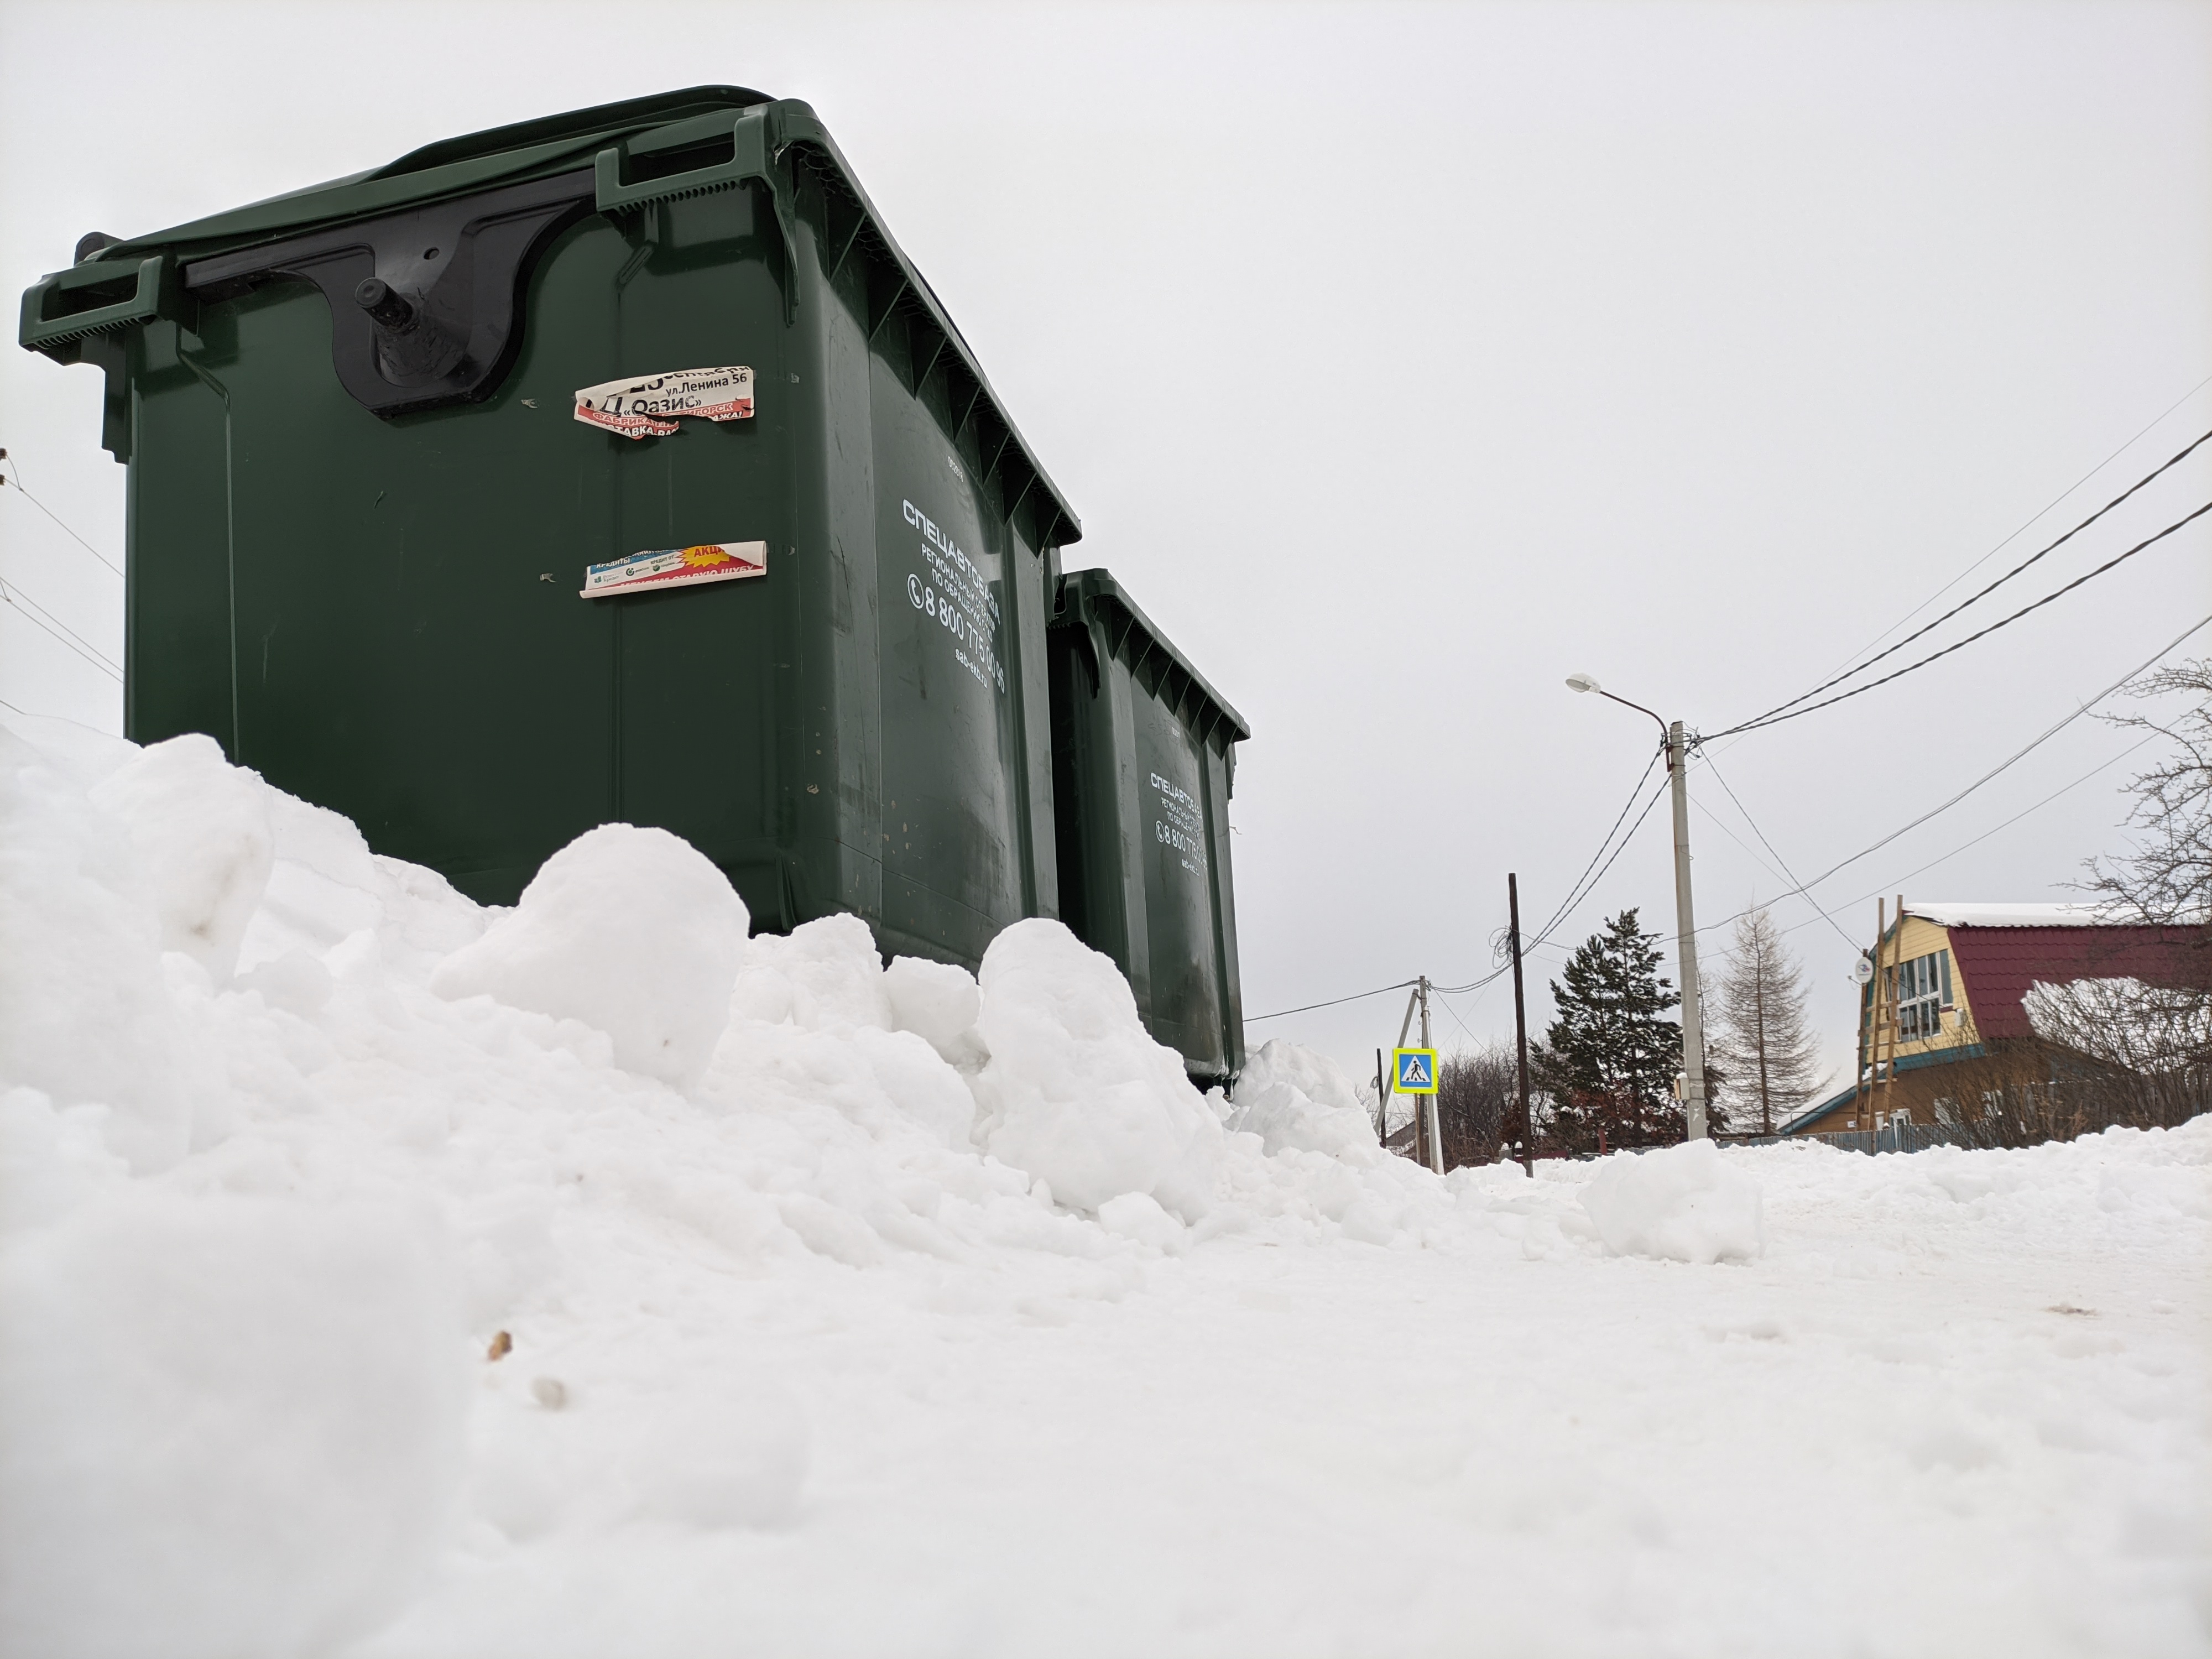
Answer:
(1686, 947)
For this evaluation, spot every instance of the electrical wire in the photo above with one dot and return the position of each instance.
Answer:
(2106, 765)
(1575, 895)
(1527, 944)
(1775, 719)
(1591, 885)
(1788, 873)
(1984, 594)
(2032, 518)
(1575, 892)
(66, 531)
(34, 612)
(1357, 996)
(2101, 766)
(2001, 766)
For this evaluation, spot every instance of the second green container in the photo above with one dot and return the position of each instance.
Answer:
(1144, 756)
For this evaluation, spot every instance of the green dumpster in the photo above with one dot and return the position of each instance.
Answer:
(1144, 757)
(612, 466)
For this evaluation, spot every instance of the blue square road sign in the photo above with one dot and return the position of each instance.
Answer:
(1416, 1070)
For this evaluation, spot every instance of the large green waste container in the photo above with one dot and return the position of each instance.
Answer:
(380, 431)
(1144, 756)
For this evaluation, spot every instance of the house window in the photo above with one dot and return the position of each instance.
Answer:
(1923, 988)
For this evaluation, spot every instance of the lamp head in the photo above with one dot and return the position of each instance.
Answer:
(1581, 683)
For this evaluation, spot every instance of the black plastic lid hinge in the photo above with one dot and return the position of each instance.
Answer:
(426, 305)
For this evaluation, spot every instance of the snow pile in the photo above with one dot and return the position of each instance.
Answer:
(1296, 1100)
(1075, 1092)
(294, 1132)
(1678, 1204)
(227, 1425)
(387, 1276)
(630, 931)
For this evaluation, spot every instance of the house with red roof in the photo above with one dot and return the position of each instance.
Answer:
(1952, 982)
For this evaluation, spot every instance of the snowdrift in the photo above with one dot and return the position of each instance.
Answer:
(385, 1274)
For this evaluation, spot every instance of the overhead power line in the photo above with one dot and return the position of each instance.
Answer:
(2031, 519)
(1984, 594)
(2101, 766)
(2105, 765)
(1576, 889)
(1788, 873)
(1584, 885)
(18, 482)
(2004, 765)
(34, 612)
(1357, 996)
(1775, 719)
(1588, 887)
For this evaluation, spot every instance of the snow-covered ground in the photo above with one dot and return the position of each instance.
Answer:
(387, 1277)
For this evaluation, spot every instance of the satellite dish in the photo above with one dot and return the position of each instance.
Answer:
(1863, 970)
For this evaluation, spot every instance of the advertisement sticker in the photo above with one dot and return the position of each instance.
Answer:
(675, 567)
(649, 405)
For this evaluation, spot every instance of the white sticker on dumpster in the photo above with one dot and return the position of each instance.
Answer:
(675, 567)
(649, 406)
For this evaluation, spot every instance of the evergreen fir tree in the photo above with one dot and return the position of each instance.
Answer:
(1610, 1058)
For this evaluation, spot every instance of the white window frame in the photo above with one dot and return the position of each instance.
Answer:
(1921, 991)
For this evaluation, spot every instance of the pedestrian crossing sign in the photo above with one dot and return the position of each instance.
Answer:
(1416, 1069)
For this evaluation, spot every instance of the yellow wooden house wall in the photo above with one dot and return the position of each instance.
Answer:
(1920, 937)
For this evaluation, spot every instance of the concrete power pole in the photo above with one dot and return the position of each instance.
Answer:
(1428, 1103)
(1686, 948)
(1685, 925)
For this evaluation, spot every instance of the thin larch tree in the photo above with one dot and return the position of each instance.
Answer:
(1762, 1029)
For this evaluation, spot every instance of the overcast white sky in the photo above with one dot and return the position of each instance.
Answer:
(1403, 361)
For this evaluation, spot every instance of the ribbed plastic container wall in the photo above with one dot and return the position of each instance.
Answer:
(1142, 758)
(362, 508)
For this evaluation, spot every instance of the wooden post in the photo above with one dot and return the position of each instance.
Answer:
(1896, 967)
(1520, 1026)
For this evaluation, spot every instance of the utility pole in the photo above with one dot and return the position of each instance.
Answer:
(1693, 1030)
(1428, 1102)
(1383, 1110)
(1685, 926)
(1520, 1024)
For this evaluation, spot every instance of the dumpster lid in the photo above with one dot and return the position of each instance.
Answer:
(536, 149)
(445, 168)
(1093, 599)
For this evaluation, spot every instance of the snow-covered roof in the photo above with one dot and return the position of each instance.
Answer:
(2013, 915)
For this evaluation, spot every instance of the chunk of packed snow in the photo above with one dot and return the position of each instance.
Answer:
(631, 931)
(201, 830)
(941, 1003)
(227, 1424)
(835, 977)
(1076, 1092)
(86, 1014)
(1308, 1071)
(1297, 1100)
(1677, 1203)
(1139, 1217)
